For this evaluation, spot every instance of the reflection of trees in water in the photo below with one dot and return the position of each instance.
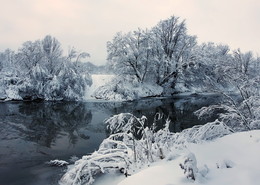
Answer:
(50, 120)
(178, 110)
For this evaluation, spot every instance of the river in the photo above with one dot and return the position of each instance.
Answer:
(33, 133)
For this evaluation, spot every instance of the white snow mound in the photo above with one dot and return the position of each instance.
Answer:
(240, 152)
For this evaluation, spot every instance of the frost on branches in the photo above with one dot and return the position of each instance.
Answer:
(240, 111)
(133, 145)
(113, 154)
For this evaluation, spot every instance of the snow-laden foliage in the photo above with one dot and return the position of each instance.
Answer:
(134, 145)
(225, 164)
(205, 132)
(39, 71)
(113, 154)
(154, 55)
(240, 71)
(124, 90)
(243, 108)
(57, 162)
(120, 123)
(167, 56)
(189, 166)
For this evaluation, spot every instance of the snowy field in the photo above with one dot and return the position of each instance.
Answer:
(232, 160)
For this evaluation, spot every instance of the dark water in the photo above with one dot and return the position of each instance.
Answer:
(33, 133)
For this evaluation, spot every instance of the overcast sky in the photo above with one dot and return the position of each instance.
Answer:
(89, 24)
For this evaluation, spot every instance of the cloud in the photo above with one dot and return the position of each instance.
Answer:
(89, 24)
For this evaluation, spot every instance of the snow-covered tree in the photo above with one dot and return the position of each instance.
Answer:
(131, 54)
(52, 52)
(152, 55)
(44, 73)
(29, 55)
(243, 108)
(204, 69)
(173, 46)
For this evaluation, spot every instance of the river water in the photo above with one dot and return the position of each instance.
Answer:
(33, 133)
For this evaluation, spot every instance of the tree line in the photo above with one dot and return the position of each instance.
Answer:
(167, 55)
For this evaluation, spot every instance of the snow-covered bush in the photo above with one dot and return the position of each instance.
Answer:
(189, 166)
(57, 162)
(191, 171)
(142, 136)
(113, 154)
(200, 133)
(237, 114)
(225, 164)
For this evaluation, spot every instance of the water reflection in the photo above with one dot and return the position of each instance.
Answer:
(43, 122)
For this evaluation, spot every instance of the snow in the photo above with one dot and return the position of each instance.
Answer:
(98, 80)
(239, 151)
(57, 162)
(120, 89)
(246, 170)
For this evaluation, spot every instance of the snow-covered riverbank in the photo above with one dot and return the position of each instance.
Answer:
(232, 159)
(98, 80)
(213, 153)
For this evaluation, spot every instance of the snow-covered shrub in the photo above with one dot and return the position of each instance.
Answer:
(8, 84)
(156, 145)
(57, 162)
(163, 141)
(225, 164)
(69, 84)
(191, 171)
(189, 166)
(142, 136)
(239, 115)
(122, 122)
(200, 133)
(113, 154)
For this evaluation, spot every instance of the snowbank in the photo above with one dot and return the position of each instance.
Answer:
(98, 80)
(125, 90)
(239, 149)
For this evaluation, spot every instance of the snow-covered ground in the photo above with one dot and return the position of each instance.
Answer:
(120, 89)
(230, 160)
(97, 81)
